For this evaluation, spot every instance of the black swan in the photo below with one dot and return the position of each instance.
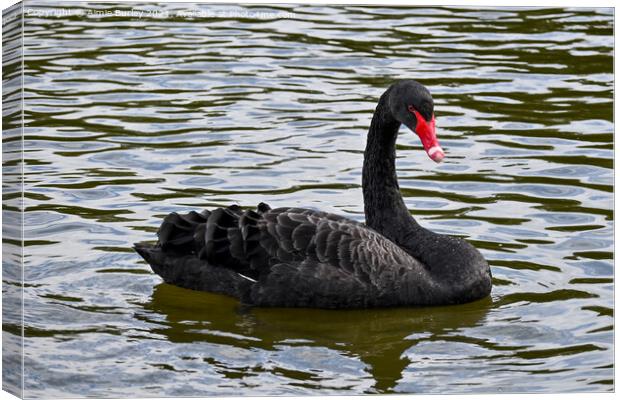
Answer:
(296, 257)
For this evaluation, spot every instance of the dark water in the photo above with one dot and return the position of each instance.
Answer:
(128, 119)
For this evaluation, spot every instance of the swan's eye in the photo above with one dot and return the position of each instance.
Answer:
(418, 114)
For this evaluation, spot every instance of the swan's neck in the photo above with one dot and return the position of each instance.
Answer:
(458, 271)
(383, 203)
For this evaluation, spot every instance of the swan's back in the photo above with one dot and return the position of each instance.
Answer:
(289, 257)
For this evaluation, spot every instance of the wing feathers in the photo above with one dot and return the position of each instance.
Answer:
(310, 245)
(303, 235)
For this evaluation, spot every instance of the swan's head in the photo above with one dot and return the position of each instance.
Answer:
(411, 104)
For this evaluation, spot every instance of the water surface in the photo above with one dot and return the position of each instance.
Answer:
(128, 119)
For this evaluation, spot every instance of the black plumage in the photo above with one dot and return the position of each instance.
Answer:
(296, 257)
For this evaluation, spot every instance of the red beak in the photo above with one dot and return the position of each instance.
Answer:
(426, 131)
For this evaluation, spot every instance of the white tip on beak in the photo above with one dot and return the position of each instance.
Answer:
(436, 153)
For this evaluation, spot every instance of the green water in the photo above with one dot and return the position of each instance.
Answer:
(128, 119)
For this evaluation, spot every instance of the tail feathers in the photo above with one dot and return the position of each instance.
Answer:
(153, 255)
(189, 272)
(227, 237)
(143, 249)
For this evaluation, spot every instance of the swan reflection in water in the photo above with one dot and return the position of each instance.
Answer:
(377, 337)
